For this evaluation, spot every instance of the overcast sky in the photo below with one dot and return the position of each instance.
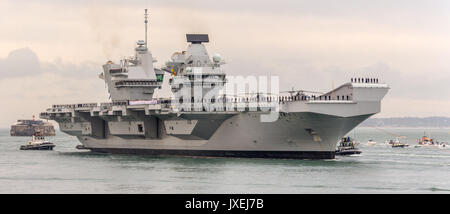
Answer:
(51, 52)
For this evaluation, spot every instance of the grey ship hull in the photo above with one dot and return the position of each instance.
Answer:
(222, 153)
(305, 129)
(243, 135)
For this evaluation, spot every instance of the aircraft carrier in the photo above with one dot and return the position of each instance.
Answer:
(204, 118)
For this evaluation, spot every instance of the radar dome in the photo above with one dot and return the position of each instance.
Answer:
(141, 42)
(216, 58)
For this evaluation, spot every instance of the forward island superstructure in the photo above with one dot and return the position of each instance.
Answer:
(201, 120)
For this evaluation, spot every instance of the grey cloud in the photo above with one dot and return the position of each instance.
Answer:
(20, 62)
(77, 71)
(31, 86)
(302, 74)
(399, 13)
(320, 7)
(24, 62)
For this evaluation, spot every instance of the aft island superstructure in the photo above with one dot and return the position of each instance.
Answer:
(201, 120)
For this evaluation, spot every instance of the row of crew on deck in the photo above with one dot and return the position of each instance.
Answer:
(136, 82)
(278, 99)
(80, 105)
(364, 80)
(271, 99)
(313, 97)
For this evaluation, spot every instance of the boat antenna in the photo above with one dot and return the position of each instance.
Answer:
(332, 89)
(146, 21)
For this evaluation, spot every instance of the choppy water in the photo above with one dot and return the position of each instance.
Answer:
(379, 169)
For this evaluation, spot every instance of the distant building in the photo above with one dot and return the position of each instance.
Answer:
(30, 127)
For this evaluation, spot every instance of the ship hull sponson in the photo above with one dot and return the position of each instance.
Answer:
(300, 135)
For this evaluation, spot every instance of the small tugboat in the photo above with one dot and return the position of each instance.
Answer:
(397, 144)
(427, 141)
(38, 143)
(81, 147)
(371, 143)
(347, 146)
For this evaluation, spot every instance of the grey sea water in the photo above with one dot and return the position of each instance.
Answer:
(379, 169)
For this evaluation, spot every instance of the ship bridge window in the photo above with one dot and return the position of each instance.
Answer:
(140, 128)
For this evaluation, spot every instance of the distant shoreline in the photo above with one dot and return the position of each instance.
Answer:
(401, 127)
(408, 122)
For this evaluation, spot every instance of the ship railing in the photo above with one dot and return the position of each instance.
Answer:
(262, 102)
(44, 114)
(137, 83)
(106, 105)
(315, 98)
(73, 106)
(121, 103)
(118, 71)
(115, 103)
(364, 80)
(223, 105)
(334, 98)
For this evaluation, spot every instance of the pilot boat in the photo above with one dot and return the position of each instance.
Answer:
(397, 144)
(427, 141)
(38, 143)
(371, 143)
(347, 146)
